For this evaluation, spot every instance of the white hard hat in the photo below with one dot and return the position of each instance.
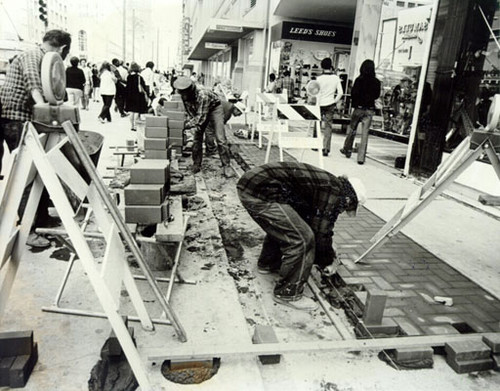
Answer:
(240, 106)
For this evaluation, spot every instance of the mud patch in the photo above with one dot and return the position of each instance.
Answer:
(231, 240)
(190, 372)
(61, 254)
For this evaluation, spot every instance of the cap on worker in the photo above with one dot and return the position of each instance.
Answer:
(240, 106)
(182, 83)
(360, 191)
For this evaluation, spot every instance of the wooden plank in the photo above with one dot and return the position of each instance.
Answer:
(490, 200)
(172, 231)
(189, 351)
(7, 250)
(68, 174)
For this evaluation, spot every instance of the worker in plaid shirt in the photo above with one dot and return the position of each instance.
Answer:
(204, 109)
(297, 205)
(23, 89)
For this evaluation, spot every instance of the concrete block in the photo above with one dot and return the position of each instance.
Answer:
(470, 365)
(154, 121)
(386, 327)
(145, 194)
(176, 133)
(175, 142)
(467, 350)
(150, 171)
(5, 364)
(374, 307)
(265, 334)
(155, 143)
(16, 343)
(360, 298)
(175, 124)
(440, 329)
(176, 98)
(496, 362)
(154, 154)
(146, 214)
(176, 115)
(493, 342)
(22, 367)
(156, 132)
(171, 106)
(413, 354)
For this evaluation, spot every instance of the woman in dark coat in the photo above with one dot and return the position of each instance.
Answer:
(136, 101)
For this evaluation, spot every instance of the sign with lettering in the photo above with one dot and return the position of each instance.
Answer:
(215, 45)
(316, 32)
(411, 32)
(233, 29)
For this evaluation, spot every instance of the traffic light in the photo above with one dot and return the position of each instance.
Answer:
(43, 12)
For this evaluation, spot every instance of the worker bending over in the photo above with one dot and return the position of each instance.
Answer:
(297, 205)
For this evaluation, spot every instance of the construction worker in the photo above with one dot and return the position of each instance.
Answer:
(297, 205)
(204, 108)
(230, 110)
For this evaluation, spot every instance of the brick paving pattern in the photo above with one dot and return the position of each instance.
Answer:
(409, 274)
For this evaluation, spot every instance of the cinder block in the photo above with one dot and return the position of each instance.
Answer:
(175, 124)
(176, 115)
(176, 133)
(387, 327)
(171, 106)
(150, 171)
(175, 142)
(154, 154)
(156, 132)
(156, 144)
(265, 334)
(470, 365)
(374, 307)
(22, 367)
(467, 350)
(493, 342)
(16, 343)
(413, 354)
(157, 122)
(143, 194)
(5, 364)
(146, 214)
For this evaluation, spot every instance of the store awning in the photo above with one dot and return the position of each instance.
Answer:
(331, 11)
(218, 34)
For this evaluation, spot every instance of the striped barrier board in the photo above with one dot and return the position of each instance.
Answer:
(299, 112)
(266, 97)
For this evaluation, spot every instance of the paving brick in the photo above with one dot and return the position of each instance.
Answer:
(401, 293)
(481, 315)
(374, 307)
(175, 115)
(493, 342)
(176, 142)
(16, 343)
(386, 327)
(156, 154)
(356, 280)
(153, 143)
(171, 106)
(407, 327)
(150, 171)
(156, 132)
(176, 133)
(154, 121)
(266, 334)
(364, 273)
(382, 283)
(146, 214)
(413, 354)
(440, 329)
(473, 349)
(5, 364)
(496, 362)
(142, 194)
(175, 124)
(470, 366)
(22, 367)
(392, 312)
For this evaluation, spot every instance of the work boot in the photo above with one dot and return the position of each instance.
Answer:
(302, 304)
(37, 241)
(195, 168)
(228, 172)
(346, 153)
(267, 269)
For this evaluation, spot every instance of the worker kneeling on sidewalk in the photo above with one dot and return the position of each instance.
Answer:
(297, 205)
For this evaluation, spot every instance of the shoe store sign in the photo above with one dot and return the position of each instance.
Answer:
(316, 33)
(411, 32)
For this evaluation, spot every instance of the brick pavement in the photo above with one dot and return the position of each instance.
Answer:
(409, 274)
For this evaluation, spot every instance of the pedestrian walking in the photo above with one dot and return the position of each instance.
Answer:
(121, 75)
(96, 83)
(365, 91)
(136, 100)
(297, 205)
(148, 76)
(330, 93)
(203, 108)
(75, 81)
(107, 90)
(87, 88)
(271, 86)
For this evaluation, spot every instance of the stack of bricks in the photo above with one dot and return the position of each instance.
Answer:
(165, 132)
(18, 356)
(145, 196)
(494, 343)
(468, 356)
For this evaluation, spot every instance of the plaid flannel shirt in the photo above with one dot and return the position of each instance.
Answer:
(22, 77)
(198, 109)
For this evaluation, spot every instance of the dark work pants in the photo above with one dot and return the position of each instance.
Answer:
(120, 98)
(289, 244)
(327, 116)
(215, 120)
(107, 100)
(363, 117)
(11, 131)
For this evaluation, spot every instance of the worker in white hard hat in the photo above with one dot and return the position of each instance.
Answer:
(297, 205)
(230, 110)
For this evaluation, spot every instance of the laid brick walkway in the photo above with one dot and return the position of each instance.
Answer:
(409, 274)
